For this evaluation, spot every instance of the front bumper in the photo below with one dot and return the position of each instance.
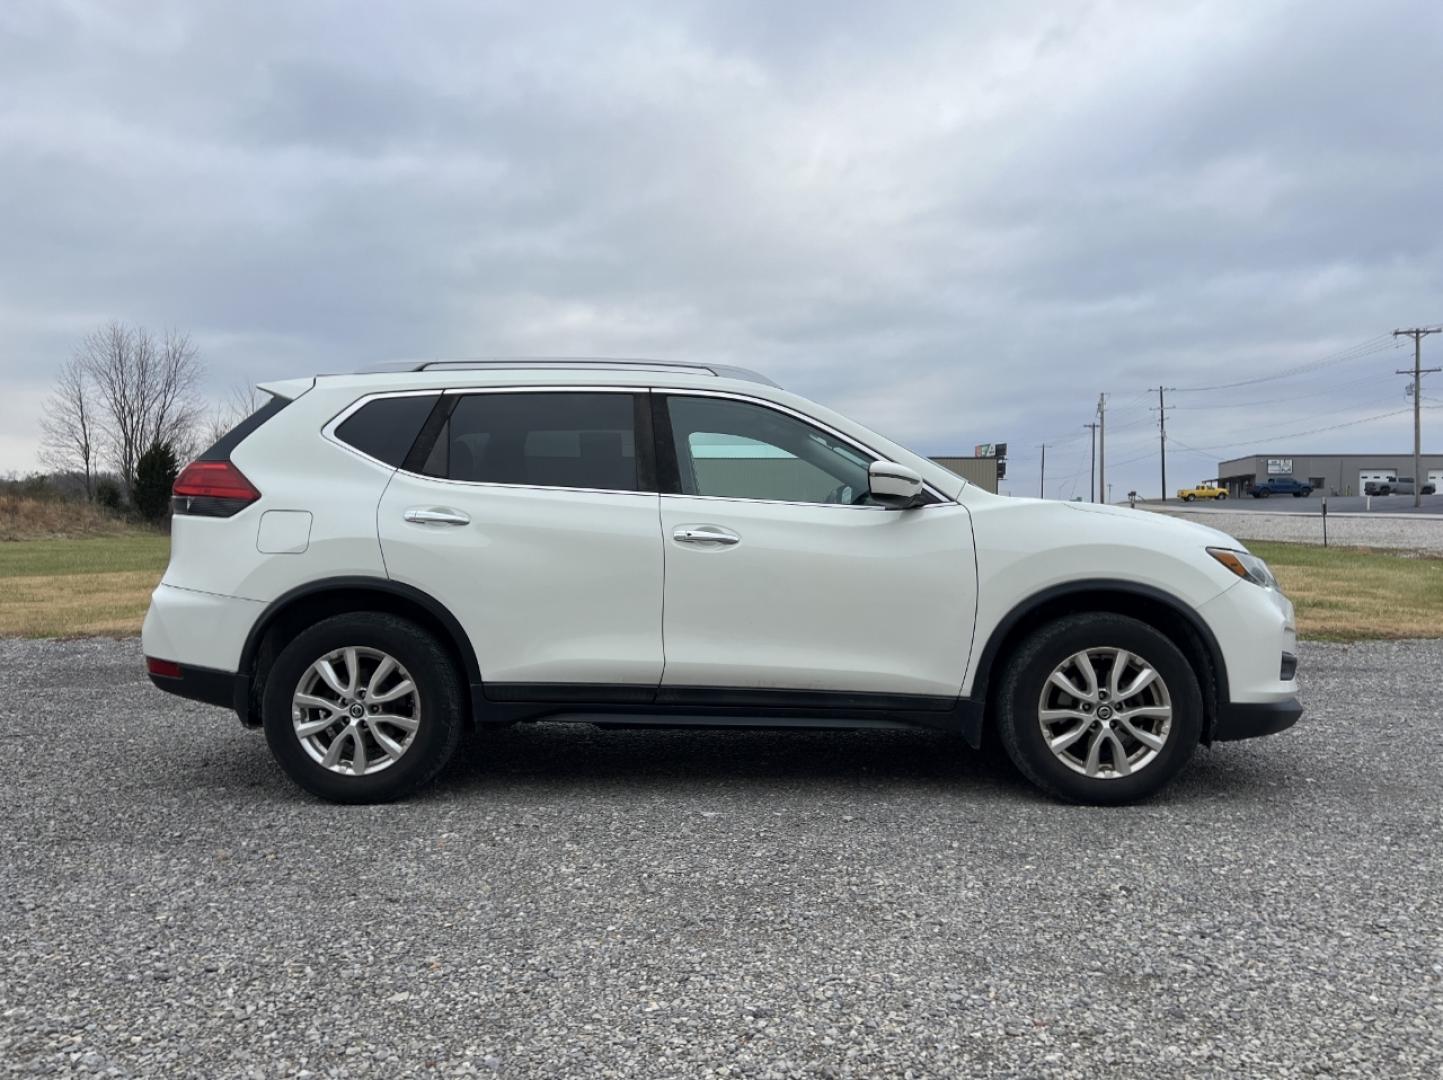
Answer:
(1249, 720)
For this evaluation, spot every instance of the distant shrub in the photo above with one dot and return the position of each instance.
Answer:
(108, 495)
(154, 477)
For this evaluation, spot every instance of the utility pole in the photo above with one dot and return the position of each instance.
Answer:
(1042, 475)
(1161, 411)
(1102, 444)
(1418, 333)
(1092, 469)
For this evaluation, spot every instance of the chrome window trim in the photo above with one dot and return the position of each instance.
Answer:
(328, 432)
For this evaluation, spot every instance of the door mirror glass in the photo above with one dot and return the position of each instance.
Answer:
(894, 485)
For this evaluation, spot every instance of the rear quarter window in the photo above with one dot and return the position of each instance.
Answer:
(386, 428)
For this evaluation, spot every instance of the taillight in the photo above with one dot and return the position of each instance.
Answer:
(212, 489)
(166, 669)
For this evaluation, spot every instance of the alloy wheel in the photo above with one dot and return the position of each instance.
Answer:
(356, 711)
(1105, 713)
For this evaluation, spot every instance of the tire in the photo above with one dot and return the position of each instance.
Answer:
(1222, 497)
(1187, 498)
(359, 642)
(1026, 685)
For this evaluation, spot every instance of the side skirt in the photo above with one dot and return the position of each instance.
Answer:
(724, 707)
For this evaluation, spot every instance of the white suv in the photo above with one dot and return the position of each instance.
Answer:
(373, 562)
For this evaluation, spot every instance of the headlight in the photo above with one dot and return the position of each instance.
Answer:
(1246, 566)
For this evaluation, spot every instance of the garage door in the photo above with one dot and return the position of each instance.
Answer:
(1365, 475)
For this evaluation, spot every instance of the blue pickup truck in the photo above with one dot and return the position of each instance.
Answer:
(1281, 485)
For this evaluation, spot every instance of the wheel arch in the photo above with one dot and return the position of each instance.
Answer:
(1174, 618)
(308, 604)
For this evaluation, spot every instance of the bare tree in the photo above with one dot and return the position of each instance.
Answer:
(146, 388)
(70, 426)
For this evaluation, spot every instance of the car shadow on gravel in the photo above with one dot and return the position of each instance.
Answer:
(761, 761)
(563, 752)
(555, 756)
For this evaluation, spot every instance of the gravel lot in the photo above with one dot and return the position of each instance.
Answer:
(569, 902)
(1358, 530)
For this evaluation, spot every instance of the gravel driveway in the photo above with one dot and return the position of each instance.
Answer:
(575, 903)
(1424, 533)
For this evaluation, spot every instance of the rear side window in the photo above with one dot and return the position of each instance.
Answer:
(564, 439)
(386, 428)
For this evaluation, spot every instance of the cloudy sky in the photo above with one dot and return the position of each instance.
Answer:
(957, 223)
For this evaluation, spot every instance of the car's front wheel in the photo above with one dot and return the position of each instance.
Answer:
(363, 708)
(1099, 709)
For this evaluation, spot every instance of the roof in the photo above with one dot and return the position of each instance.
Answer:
(569, 363)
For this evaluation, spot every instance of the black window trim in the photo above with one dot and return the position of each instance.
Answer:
(222, 448)
(328, 430)
(643, 437)
(669, 461)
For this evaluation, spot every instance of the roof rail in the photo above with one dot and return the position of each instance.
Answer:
(585, 363)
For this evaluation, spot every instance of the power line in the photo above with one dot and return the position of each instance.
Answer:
(1278, 400)
(1363, 349)
(1298, 434)
(1305, 416)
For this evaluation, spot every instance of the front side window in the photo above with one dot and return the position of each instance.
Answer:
(736, 450)
(564, 439)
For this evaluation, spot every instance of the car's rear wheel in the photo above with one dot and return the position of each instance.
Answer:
(363, 708)
(1099, 709)
(1223, 496)
(1187, 498)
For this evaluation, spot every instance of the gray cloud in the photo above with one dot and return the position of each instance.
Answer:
(959, 226)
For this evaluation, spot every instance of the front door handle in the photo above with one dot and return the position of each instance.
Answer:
(705, 534)
(436, 515)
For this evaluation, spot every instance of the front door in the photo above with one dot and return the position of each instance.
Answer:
(782, 575)
(536, 525)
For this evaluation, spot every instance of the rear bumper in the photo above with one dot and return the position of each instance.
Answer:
(223, 688)
(1249, 720)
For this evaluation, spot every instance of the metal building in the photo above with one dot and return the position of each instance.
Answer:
(1330, 474)
(981, 471)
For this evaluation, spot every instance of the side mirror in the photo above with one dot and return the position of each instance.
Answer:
(893, 485)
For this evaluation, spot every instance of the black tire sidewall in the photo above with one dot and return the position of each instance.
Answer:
(1034, 662)
(430, 668)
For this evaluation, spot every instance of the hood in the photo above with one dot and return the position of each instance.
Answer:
(1147, 519)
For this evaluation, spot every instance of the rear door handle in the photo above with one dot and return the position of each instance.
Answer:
(705, 534)
(436, 515)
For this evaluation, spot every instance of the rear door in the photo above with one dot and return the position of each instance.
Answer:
(784, 580)
(533, 518)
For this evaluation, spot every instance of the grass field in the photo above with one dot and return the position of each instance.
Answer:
(98, 585)
(1349, 594)
(101, 585)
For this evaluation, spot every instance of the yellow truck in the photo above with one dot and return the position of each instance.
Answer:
(1204, 489)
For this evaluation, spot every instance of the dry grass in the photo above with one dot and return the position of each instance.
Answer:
(40, 519)
(1351, 594)
(70, 588)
